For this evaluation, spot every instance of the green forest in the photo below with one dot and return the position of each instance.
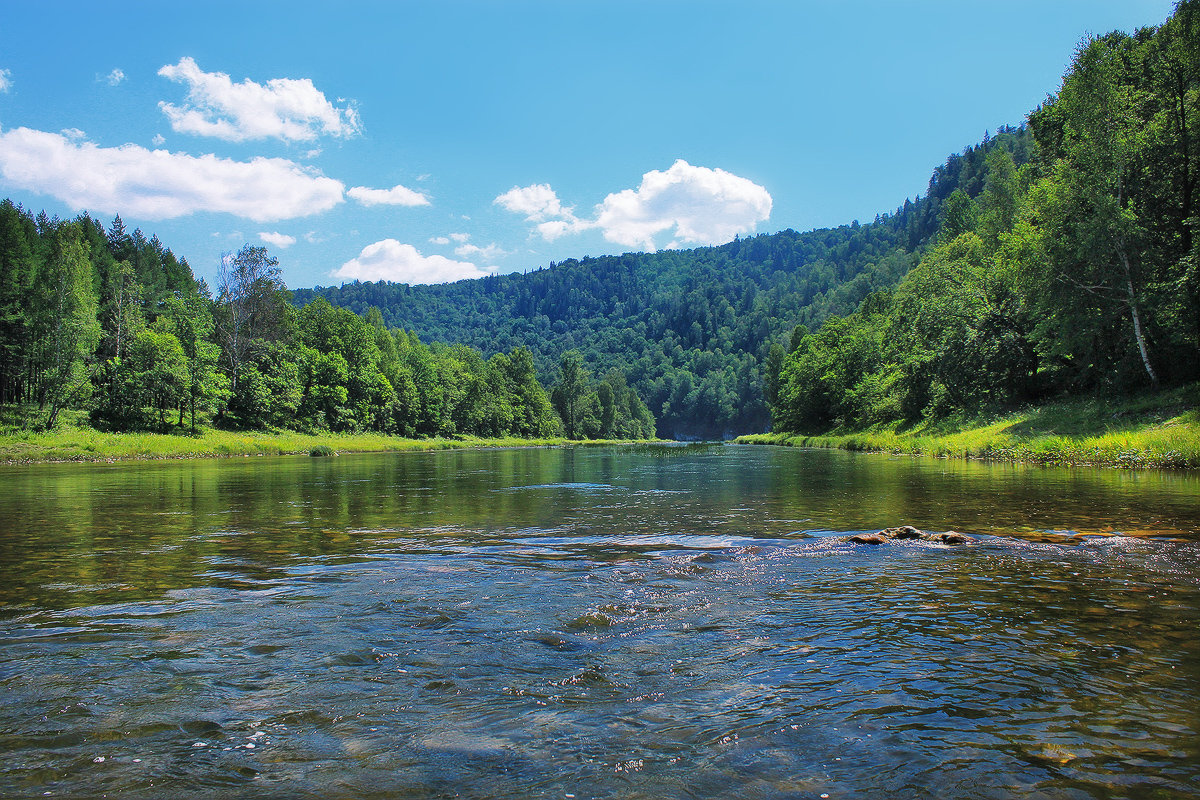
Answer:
(115, 324)
(1054, 258)
(1072, 272)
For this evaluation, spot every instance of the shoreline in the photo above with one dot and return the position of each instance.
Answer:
(1153, 430)
(1175, 450)
(89, 446)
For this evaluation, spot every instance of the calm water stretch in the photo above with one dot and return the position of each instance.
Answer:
(649, 622)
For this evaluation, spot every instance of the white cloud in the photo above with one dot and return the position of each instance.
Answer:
(158, 140)
(158, 184)
(537, 202)
(554, 228)
(73, 133)
(695, 205)
(396, 196)
(389, 260)
(440, 240)
(284, 108)
(487, 253)
(280, 240)
(114, 77)
(460, 237)
(5, 80)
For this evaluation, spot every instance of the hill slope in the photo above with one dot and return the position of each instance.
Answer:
(693, 329)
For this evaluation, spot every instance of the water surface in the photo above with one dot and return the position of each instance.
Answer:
(616, 622)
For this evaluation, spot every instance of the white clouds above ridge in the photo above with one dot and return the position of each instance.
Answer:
(389, 260)
(283, 108)
(695, 205)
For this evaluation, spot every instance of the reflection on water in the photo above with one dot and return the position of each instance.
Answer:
(628, 622)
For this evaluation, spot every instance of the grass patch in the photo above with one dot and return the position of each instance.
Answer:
(73, 440)
(1159, 430)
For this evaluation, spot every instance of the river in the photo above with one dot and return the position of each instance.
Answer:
(623, 622)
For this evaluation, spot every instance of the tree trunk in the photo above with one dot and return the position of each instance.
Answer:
(1137, 319)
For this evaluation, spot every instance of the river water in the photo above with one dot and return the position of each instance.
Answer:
(635, 622)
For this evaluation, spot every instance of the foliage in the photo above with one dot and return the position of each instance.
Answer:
(1154, 430)
(1073, 272)
(153, 343)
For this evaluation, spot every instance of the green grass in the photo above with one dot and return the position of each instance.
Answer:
(1152, 430)
(73, 440)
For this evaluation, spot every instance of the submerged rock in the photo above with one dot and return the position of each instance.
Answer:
(909, 532)
(903, 532)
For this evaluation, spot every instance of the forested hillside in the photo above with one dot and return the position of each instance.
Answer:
(1078, 271)
(692, 329)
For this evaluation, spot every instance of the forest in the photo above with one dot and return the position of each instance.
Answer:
(1054, 258)
(691, 329)
(1074, 272)
(115, 324)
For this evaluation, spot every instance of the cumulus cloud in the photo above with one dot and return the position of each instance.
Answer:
(158, 184)
(537, 202)
(486, 253)
(694, 205)
(158, 139)
(114, 77)
(5, 80)
(280, 240)
(396, 196)
(283, 108)
(697, 205)
(389, 260)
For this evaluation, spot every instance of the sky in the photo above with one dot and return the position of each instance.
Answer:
(424, 142)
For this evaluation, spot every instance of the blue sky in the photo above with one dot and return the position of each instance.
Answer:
(428, 141)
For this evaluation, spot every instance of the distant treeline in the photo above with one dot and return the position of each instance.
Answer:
(1078, 271)
(113, 323)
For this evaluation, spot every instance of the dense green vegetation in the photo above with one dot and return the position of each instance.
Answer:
(692, 329)
(1153, 429)
(113, 323)
(1075, 272)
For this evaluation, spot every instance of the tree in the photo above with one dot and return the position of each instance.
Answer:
(66, 323)
(17, 263)
(252, 300)
(161, 368)
(189, 318)
(1096, 237)
(570, 395)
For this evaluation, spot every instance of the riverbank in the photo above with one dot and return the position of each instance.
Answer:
(1159, 430)
(87, 444)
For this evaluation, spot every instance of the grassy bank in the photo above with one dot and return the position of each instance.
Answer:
(71, 443)
(1153, 430)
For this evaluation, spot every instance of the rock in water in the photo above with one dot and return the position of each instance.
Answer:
(867, 538)
(902, 532)
(953, 537)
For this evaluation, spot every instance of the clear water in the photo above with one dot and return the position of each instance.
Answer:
(651, 622)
